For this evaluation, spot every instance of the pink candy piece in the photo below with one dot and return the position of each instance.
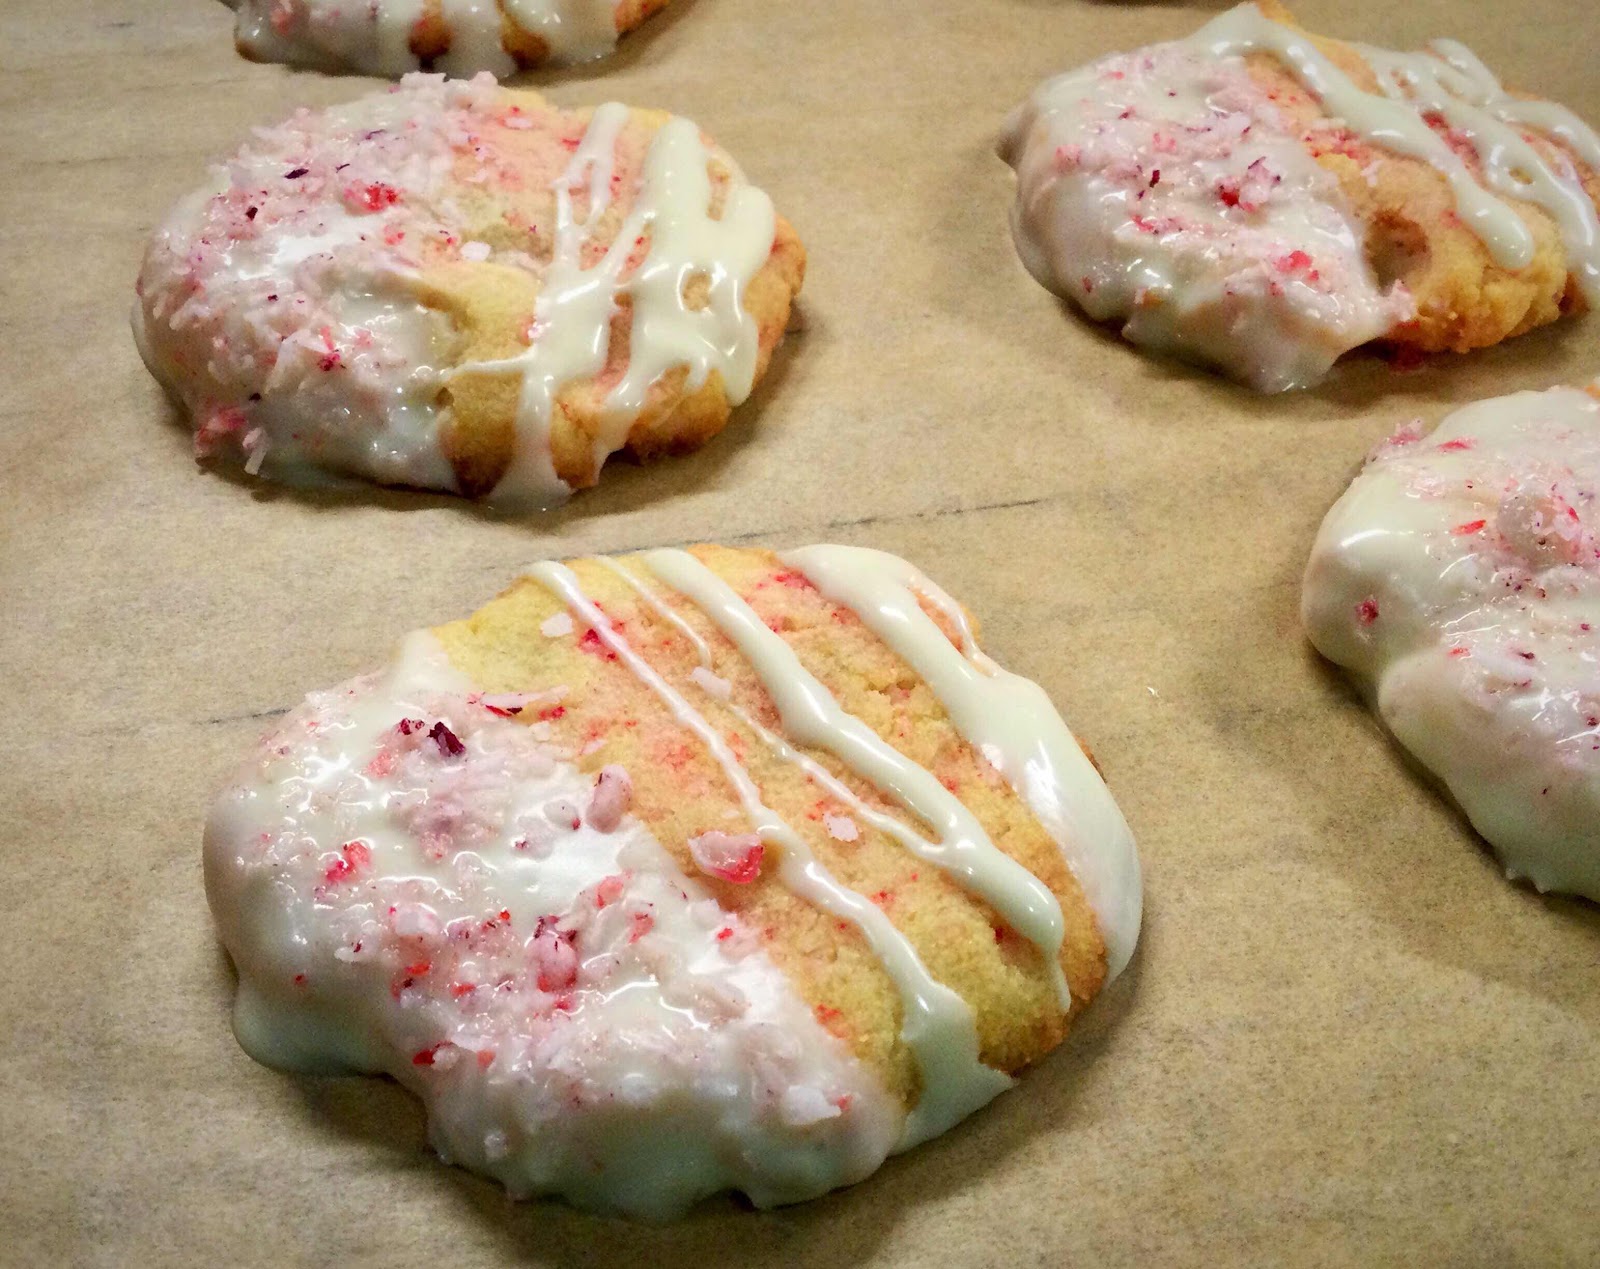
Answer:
(734, 857)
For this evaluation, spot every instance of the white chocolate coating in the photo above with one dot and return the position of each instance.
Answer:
(376, 37)
(285, 308)
(1458, 581)
(1164, 190)
(485, 928)
(411, 878)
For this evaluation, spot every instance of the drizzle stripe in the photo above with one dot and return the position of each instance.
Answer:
(811, 715)
(938, 1025)
(1457, 85)
(1007, 718)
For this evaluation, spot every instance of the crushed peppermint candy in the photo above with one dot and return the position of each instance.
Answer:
(556, 626)
(731, 857)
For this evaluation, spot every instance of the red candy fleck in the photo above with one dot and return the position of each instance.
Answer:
(408, 725)
(1457, 444)
(1296, 262)
(373, 197)
(724, 934)
(1367, 611)
(1471, 526)
(449, 743)
(353, 856)
(594, 646)
(424, 1057)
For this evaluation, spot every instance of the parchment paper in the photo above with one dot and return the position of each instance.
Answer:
(1346, 1038)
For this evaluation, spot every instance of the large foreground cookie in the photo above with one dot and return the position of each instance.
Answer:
(459, 37)
(677, 872)
(1458, 580)
(1262, 200)
(454, 286)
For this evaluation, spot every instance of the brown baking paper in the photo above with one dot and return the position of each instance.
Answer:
(1345, 1039)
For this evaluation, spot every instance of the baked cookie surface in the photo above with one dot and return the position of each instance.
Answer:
(1262, 200)
(455, 286)
(678, 872)
(457, 37)
(1458, 581)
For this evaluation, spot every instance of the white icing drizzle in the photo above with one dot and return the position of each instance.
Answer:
(573, 310)
(813, 717)
(575, 304)
(1008, 719)
(938, 1025)
(1465, 93)
(463, 910)
(374, 36)
(1471, 99)
(824, 778)
(1458, 581)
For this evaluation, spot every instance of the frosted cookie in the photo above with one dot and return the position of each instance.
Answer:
(1260, 200)
(1458, 580)
(458, 37)
(677, 872)
(455, 286)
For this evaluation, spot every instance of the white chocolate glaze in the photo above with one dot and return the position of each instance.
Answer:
(1092, 223)
(1458, 581)
(1006, 718)
(378, 37)
(937, 1025)
(1164, 190)
(813, 717)
(410, 881)
(286, 306)
(576, 304)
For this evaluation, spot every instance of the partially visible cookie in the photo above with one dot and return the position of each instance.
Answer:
(455, 286)
(1458, 581)
(1262, 200)
(392, 37)
(677, 872)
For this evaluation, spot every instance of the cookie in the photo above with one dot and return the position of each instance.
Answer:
(1260, 200)
(677, 872)
(455, 286)
(458, 37)
(1458, 581)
